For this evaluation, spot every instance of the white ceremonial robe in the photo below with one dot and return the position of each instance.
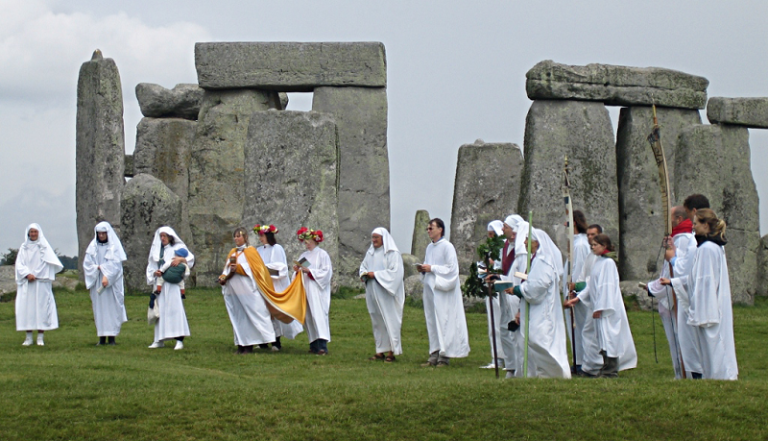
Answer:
(35, 304)
(443, 304)
(511, 342)
(681, 336)
(173, 319)
(384, 297)
(706, 295)
(109, 313)
(581, 252)
(547, 354)
(274, 258)
(318, 289)
(247, 309)
(612, 328)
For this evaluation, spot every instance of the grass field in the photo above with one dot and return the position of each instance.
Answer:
(73, 390)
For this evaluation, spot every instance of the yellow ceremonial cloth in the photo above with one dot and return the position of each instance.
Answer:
(285, 306)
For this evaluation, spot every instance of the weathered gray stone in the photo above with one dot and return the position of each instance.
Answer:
(714, 161)
(164, 150)
(100, 146)
(486, 187)
(420, 237)
(409, 265)
(641, 215)
(7, 280)
(147, 205)
(290, 67)
(616, 85)
(183, 101)
(361, 119)
(748, 112)
(413, 287)
(216, 173)
(762, 267)
(128, 172)
(582, 131)
(631, 289)
(291, 178)
(283, 100)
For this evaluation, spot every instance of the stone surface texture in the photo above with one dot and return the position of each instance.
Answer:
(748, 112)
(7, 280)
(582, 131)
(147, 205)
(216, 173)
(183, 101)
(128, 167)
(291, 179)
(487, 187)
(630, 289)
(164, 150)
(420, 238)
(413, 287)
(290, 67)
(714, 160)
(762, 267)
(100, 147)
(616, 85)
(409, 265)
(641, 214)
(361, 120)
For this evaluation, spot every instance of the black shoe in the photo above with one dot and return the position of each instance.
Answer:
(111, 341)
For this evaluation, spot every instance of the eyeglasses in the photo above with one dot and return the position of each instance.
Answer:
(430, 228)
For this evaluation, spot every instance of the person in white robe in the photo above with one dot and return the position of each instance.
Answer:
(581, 252)
(317, 285)
(509, 305)
(612, 337)
(273, 255)
(247, 309)
(541, 301)
(682, 339)
(382, 272)
(103, 271)
(36, 268)
(443, 303)
(495, 229)
(706, 296)
(172, 324)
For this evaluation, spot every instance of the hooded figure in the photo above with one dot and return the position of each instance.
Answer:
(382, 273)
(173, 319)
(36, 268)
(103, 271)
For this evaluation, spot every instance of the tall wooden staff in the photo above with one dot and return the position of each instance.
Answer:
(569, 229)
(527, 305)
(661, 161)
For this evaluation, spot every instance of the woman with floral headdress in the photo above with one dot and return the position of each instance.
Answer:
(273, 255)
(36, 268)
(316, 270)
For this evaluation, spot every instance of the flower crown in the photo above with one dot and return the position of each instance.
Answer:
(305, 233)
(264, 229)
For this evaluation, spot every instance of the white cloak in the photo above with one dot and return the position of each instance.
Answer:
(512, 342)
(443, 304)
(248, 312)
(274, 258)
(35, 305)
(106, 260)
(706, 294)
(581, 253)
(613, 333)
(173, 319)
(384, 297)
(318, 291)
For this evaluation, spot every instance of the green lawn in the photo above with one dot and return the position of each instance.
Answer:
(71, 389)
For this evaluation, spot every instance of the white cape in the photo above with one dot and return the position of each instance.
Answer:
(106, 260)
(35, 304)
(173, 319)
(384, 297)
(612, 328)
(318, 289)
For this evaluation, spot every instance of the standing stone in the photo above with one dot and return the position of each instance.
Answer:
(715, 161)
(641, 215)
(147, 205)
(290, 67)
(487, 187)
(747, 112)
(762, 267)
(616, 85)
(100, 147)
(183, 101)
(420, 238)
(361, 119)
(582, 131)
(163, 150)
(128, 171)
(291, 178)
(216, 174)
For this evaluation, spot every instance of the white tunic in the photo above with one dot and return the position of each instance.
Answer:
(173, 319)
(35, 305)
(318, 289)
(612, 328)
(248, 312)
(706, 295)
(384, 297)
(102, 260)
(274, 258)
(443, 304)
(509, 306)
(581, 253)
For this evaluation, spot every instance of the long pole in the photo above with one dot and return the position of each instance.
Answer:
(493, 321)
(569, 231)
(527, 306)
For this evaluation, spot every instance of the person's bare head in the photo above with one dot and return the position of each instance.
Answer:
(593, 230)
(693, 203)
(677, 215)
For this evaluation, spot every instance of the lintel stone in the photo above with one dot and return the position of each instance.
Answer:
(747, 112)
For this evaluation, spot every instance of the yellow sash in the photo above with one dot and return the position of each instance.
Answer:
(285, 306)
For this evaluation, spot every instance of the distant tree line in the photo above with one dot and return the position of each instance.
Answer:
(9, 258)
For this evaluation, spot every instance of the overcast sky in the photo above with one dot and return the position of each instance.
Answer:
(456, 72)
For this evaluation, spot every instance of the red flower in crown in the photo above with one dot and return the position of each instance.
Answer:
(272, 229)
(318, 236)
(263, 229)
(302, 233)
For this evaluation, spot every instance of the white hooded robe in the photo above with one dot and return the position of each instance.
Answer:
(106, 260)
(35, 305)
(318, 289)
